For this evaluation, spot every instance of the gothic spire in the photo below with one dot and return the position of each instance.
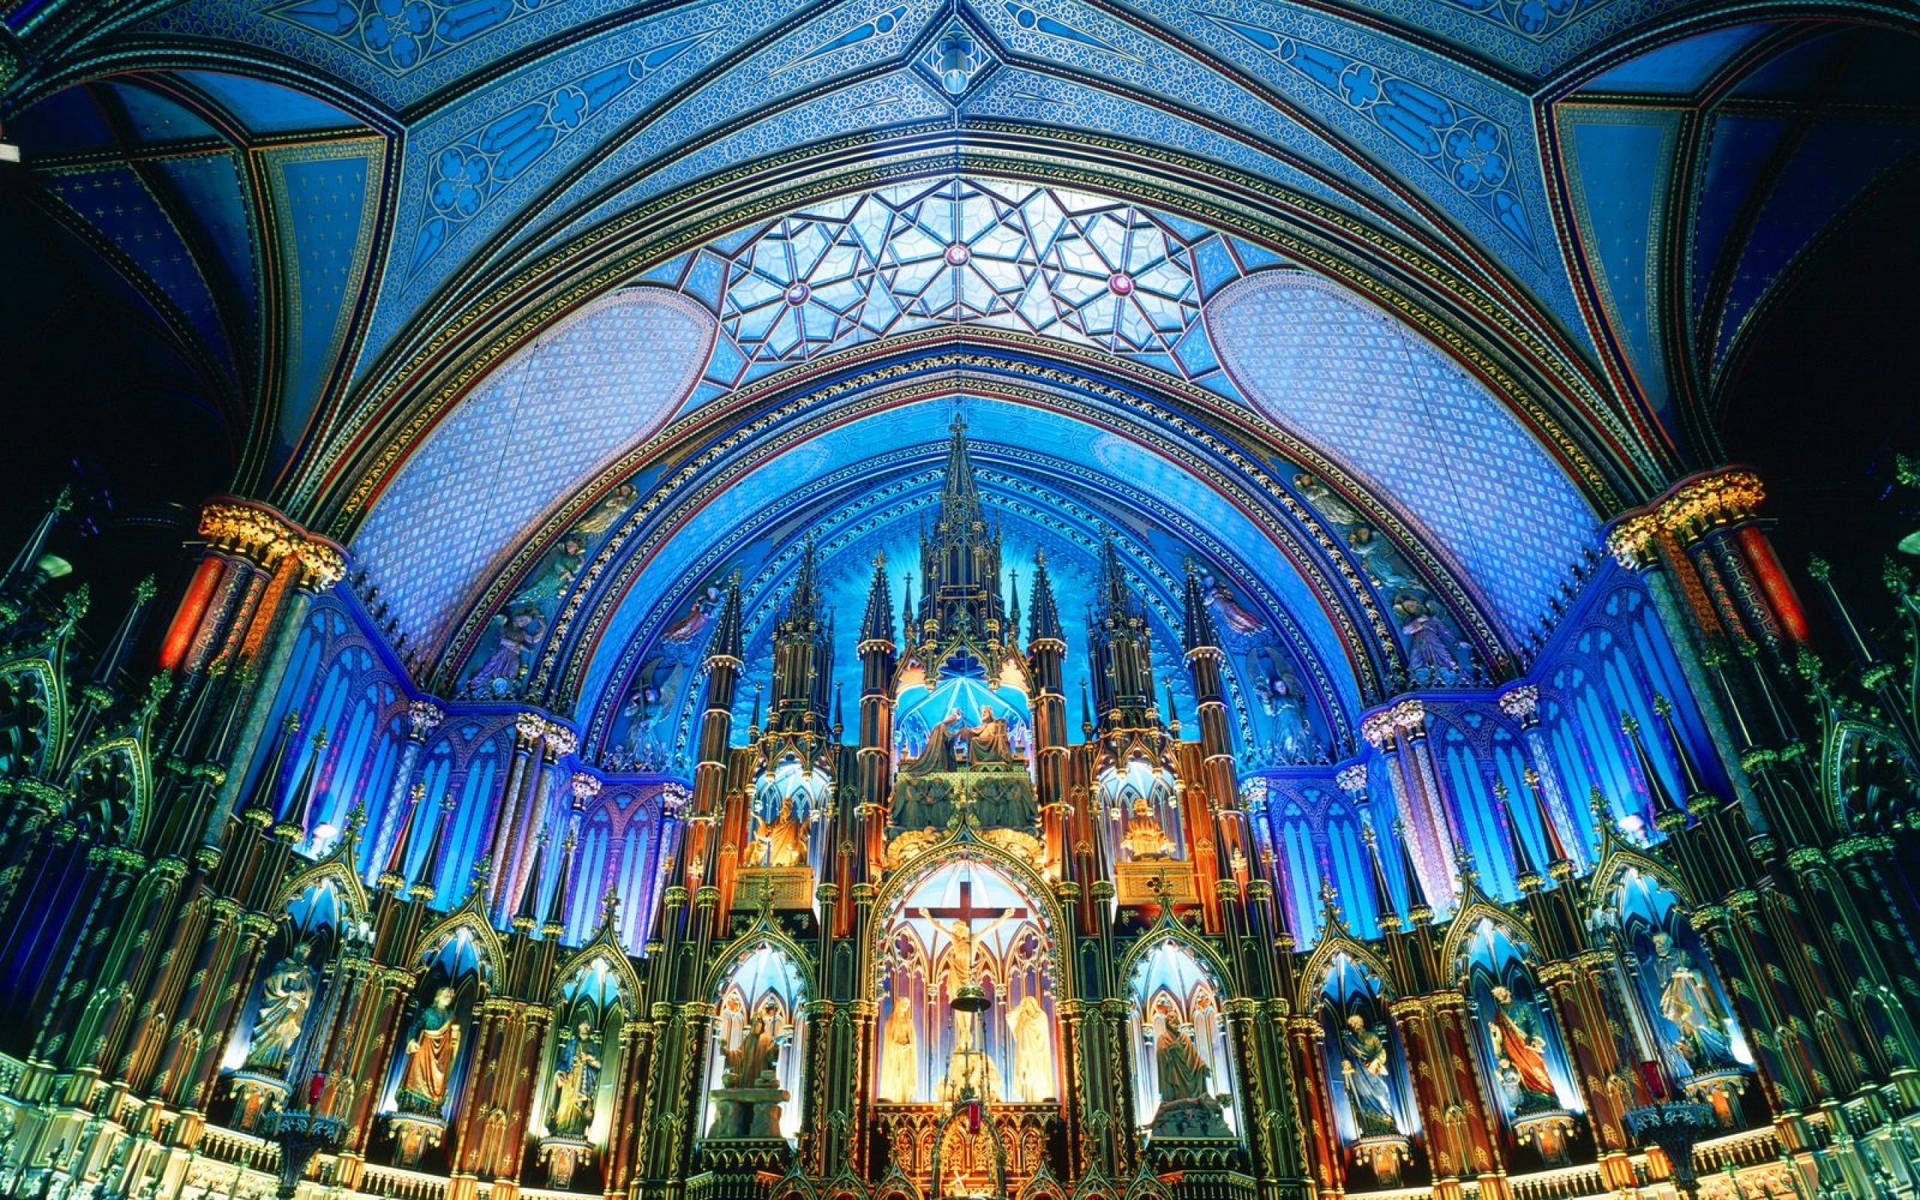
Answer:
(1416, 894)
(804, 599)
(877, 625)
(1043, 608)
(960, 494)
(1198, 628)
(293, 826)
(556, 922)
(726, 637)
(524, 915)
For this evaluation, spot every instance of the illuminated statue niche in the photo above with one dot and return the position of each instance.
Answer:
(1373, 1111)
(966, 925)
(1183, 1074)
(754, 1063)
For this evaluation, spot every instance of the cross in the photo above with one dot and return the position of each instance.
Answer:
(965, 909)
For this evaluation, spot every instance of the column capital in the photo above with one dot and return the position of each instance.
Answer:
(264, 535)
(1712, 501)
(1379, 730)
(585, 788)
(1521, 702)
(423, 717)
(1352, 779)
(1634, 541)
(529, 728)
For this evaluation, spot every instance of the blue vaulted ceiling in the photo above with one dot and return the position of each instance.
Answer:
(530, 300)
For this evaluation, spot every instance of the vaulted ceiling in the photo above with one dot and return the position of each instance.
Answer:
(559, 311)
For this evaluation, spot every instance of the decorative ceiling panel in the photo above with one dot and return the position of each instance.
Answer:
(1398, 413)
(521, 442)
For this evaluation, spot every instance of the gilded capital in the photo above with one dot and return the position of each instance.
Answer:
(1353, 779)
(1714, 501)
(1634, 541)
(1378, 729)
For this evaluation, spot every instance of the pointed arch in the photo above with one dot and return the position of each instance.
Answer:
(1313, 975)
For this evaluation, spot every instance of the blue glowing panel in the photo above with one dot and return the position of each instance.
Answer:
(325, 196)
(1397, 412)
(1617, 172)
(1681, 67)
(266, 107)
(524, 440)
(737, 525)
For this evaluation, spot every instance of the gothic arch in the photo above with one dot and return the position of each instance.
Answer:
(957, 848)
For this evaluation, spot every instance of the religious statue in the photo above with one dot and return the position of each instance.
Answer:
(1278, 693)
(1188, 1108)
(1378, 561)
(1184, 1074)
(556, 573)
(1332, 506)
(576, 1082)
(924, 805)
(522, 627)
(956, 963)
(1144, 839)
(781, 842)
(749, 1100)
(755, 1062)
(1032, 1051)
(938, 754)
(699, 615)
(432, 1041)
(1520, 1052)
(1363, 1068)
(900, 1054)
(285, 997)
(1688, 1002)
(1430, 653)
(987, 742)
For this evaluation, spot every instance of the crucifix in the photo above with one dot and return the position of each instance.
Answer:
(957, 922)
(967, 998)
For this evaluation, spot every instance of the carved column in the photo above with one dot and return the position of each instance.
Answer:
(1325, 1154)
(254, 621)
(423, 717)
(1390, 732)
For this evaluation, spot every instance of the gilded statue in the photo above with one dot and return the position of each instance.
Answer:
(432, 1041)
(956, 962)
(576, 1082)
(781, 842)
(899, 1054)
(1032, 1051)
(1144, 839)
